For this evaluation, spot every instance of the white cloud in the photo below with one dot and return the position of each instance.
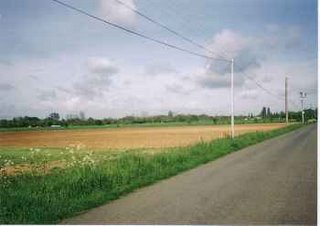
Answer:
(101, 65)
(251, 52)
(228, 43)
(117, 13)
(75, 82)
(97, 78)
(47, 95)
(159, 68)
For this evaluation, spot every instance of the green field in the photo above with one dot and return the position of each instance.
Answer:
(40, 192)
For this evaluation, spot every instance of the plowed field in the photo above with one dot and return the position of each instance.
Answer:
(119, 138)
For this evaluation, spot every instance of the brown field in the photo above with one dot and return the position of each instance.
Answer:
(119, 138)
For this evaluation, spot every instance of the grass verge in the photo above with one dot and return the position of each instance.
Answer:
(48, 198)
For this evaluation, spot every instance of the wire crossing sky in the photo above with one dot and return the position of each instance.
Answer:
(53, 59)
(167, 28)
(138, 34)
(196, 44)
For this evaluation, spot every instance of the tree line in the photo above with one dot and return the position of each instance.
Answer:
(54, 119)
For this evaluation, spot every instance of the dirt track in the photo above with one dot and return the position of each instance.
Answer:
(125, 137)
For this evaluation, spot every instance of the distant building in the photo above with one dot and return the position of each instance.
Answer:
(55, 126)
(82, 115)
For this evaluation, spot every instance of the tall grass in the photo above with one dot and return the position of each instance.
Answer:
(50, 197)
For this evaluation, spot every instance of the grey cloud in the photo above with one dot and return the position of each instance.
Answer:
(34, 77)
(6, 62)
(101, 65)
(6, 87)
(176, 88)
(246, 59)
(266, 79)
(92, 85)
(97, 80)
(86, 90)
(103, 68)
(62, 89)
(216, 81)
(7, 110)
(47, 95)
(159, 68)
(249, 95)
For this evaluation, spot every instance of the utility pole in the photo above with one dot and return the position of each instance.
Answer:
(302, 96)
(286, 99)
(232, 111)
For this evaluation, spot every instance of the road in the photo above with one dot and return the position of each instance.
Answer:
(273, 182)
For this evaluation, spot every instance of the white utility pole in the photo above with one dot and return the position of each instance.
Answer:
(286, 99)
(232, 112)
(302, 96)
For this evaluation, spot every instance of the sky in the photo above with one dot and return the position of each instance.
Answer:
(53, 59)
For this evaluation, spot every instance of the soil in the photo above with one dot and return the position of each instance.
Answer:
(120, 138)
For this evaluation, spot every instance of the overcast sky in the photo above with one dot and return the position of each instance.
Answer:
(54, 59)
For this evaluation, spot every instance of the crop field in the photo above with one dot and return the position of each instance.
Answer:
(47, 176)
(126, 138)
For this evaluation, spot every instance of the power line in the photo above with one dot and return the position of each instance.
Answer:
(277, 96)
(257, 83)
(167, 28)
(136, 33)
(159, 41)
(196, 44)
(155, 40)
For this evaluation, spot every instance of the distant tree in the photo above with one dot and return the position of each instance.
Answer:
(263, 113)
(170, 114)
(214, 120)
(98, 122)
(54, 116)
(268, 113)
(90, 121)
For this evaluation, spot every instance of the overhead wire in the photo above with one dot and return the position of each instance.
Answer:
(190, 41)
(167, 28)
(137, 33)
(218, 58)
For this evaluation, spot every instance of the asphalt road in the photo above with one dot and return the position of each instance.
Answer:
(273, 182)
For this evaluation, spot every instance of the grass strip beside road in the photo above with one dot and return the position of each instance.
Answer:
(51, 197)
